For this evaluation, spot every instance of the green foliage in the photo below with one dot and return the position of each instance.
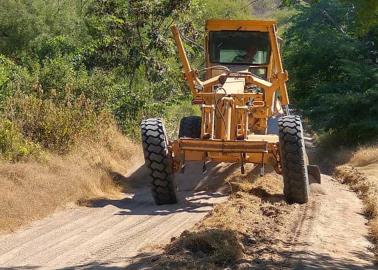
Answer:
(174, 114)
(63, 63)
(56, 74)
(274, 10)
(333, 72)
(13, 146)
(24, 22)
(55, 126)
(12, 78)
(237, 9)
(52, 47)
(366, 14)
(363, 12)
(136, 36)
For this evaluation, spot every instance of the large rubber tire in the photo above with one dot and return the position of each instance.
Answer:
(158, 161)
(190, 127)
(293, 158)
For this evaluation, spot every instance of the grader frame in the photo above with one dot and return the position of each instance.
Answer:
(240, 135)
(242, 96)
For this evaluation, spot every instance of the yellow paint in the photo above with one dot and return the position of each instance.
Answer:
(234, 118)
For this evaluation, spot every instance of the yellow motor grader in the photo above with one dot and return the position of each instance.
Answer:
(244, 112)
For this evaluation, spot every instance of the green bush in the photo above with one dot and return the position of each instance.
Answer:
(46, 47)
(13, 146)
(56, 74)
(55, 126)
(13, 78)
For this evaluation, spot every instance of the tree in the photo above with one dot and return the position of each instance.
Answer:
(366, 14)
(25, 24)
(333, 72)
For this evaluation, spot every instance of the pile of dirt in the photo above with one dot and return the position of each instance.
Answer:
(219, 246)
(32, 190)
(251, 229)
(361, 174)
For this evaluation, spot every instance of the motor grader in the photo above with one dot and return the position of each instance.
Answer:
(244, 112)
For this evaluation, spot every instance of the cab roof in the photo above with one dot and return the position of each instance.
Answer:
(239, 25)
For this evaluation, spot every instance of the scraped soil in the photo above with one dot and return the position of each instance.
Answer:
(253, 229)
(257, 229)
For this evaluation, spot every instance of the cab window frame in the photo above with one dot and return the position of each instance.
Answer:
(217, 59)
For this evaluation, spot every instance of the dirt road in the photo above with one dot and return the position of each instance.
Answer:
(109, 233)
(330, 233)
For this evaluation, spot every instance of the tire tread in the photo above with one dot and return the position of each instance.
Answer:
(294, 168)
(158, 161)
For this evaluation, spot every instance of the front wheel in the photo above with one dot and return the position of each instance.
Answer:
(158, 161)
(293, 158)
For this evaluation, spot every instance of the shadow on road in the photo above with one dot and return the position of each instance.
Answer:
(92, 265)
(141, 204)
(266, 196)
(196, 192)
(288, 260)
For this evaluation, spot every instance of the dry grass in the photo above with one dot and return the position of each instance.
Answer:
(31, 190)
(247, 230)
(220, 246)
(365, 156)
(361, 173)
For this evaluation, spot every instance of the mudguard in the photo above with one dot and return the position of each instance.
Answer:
(314, 174)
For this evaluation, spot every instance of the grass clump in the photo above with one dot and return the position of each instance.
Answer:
(365, 156)
(219, 246)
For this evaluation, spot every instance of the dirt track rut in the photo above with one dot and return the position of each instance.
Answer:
(331, 232)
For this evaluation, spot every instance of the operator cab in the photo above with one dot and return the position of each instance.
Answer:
(240, 51)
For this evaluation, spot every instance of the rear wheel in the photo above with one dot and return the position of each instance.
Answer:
(190, 127)
(158, 161)
(293, 156)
